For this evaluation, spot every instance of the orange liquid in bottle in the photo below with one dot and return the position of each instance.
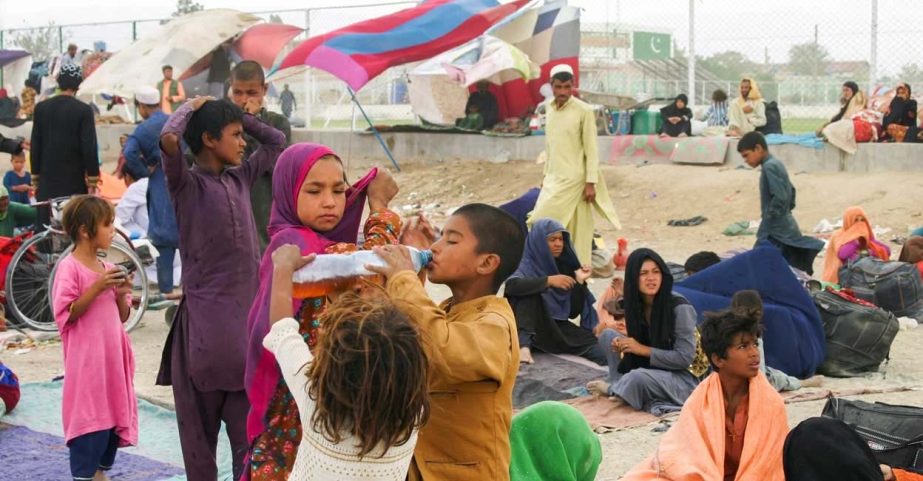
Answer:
(323, 288)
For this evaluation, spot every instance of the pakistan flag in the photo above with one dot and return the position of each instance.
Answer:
(651, 46)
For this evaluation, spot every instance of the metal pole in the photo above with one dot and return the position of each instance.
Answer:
(873, 55)
(134, 31)
(691, 64)
(60, 39)
(308, 75)
(374, 130)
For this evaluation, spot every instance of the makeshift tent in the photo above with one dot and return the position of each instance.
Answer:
(359, 52)
(180, 43)
(439, 86)
(549, 35)
(793, 334)
(14, 69)
(262, 43)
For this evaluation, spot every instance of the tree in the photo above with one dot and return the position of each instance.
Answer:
(911, 73)
(729, 65)
(273, 18)
(41, 42)
(184, 7)
(808, 59)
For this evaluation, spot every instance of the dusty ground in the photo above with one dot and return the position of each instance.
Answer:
(646, 198)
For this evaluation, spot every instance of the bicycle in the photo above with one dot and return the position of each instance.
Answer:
(30, 273)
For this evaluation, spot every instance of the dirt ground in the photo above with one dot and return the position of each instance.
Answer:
(646, 198)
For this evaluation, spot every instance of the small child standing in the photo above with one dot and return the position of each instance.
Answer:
(777, 200)
(362, 396)
(473, 344)
(204, 355)
(18, 181)
(91, 299)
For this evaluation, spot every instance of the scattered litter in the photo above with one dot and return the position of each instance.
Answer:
(908, 323)
(22, 351)
(500, 157)
(825, 226)
(692, 221)
(642, 163)
(880, 231)
(652, 195)
(744, 227)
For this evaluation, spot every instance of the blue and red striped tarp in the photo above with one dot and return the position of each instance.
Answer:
(358, 53)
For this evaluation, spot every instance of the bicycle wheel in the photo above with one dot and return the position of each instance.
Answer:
(118, 253)
(27, 279)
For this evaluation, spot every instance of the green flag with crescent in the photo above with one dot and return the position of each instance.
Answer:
(651, 46)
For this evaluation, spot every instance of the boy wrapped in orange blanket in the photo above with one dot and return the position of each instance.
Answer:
(733, 426)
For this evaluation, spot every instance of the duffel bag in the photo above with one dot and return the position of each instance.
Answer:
(892, 286)
(859, 335)
(894, 433)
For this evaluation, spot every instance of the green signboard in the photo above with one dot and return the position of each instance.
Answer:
(651, 46)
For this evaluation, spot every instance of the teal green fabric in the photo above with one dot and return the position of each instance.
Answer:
(17, 215)
(551, 441)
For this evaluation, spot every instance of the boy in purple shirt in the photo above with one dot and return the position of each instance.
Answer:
(203, 358)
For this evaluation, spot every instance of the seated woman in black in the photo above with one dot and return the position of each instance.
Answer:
(902, 112)
(548, 290)
(677, 118)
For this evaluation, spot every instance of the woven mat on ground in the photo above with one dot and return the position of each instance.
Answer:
(554, 377)
(41, 456)
(604, 416)
(157, 454)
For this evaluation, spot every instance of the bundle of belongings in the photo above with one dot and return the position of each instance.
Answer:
(793, 334)
(894, 434)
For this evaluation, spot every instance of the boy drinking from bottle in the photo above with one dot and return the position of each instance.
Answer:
(473, 345)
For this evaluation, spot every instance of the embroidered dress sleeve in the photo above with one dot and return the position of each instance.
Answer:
(382, 228)
(683, 352)
(293, 356)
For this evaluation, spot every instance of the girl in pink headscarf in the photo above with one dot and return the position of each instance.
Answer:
(314, 208)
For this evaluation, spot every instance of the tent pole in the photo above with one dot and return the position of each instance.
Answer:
(374, 130)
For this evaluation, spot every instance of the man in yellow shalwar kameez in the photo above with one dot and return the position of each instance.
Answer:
(574, 185)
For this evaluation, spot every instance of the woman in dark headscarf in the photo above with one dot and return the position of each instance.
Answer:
(659, 363)
(547, 290)
(822, 449)
(902, 112)
(677, 118)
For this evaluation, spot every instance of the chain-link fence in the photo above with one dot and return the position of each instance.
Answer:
(799, 52)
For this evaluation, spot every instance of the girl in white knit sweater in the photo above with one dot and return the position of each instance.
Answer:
(362, 395)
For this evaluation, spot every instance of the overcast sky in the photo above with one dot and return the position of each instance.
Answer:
(754, 27)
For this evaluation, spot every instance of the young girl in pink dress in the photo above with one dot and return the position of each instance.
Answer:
(91, 300)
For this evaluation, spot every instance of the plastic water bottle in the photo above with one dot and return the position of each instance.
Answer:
(331, 272)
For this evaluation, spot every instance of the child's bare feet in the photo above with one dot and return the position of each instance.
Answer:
(525, 356)
(813, 381)
(598, 388)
